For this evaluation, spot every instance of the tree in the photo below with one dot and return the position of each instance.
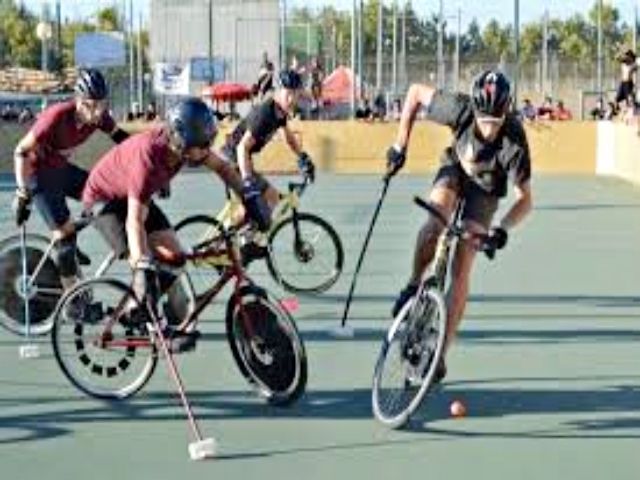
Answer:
(19, 44)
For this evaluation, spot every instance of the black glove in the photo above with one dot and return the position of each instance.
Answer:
(145, 281)
(498, 237)
(395, 160)
(256, 206)
(164, 192)
(306, 167)
(21, 205)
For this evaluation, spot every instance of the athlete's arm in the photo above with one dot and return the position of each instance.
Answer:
(417, 96)
(292, 140)
(520, 207)
(226, 171)
(243, 152)
(136, 235)
(25, 147)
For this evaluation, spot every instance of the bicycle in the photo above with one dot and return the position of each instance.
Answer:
(414, 343)
(41, 290)
(108, 357)
(293, 242)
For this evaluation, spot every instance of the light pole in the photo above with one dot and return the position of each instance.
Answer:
(44, 32)
(599, 54)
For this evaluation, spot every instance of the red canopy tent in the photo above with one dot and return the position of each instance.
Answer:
(338, 86)
(228, 92)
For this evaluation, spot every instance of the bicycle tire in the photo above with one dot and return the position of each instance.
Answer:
(273, 358)
(302, 257)
(426, 309)
(110, 353)
(41, 305)
(196, 230)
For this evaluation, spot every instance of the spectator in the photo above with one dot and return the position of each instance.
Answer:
(151, 114)
(625, 96)
(562, 113)
(546, 111)
(364, 112)
(528, 111)
(598, 112)
(396, 110)
(264, 86)
(379, 107)
(316, 77)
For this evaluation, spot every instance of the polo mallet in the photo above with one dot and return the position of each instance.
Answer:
(343, 330)
(200, 448)
(28, 350)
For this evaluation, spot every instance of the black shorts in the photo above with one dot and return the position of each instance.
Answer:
(115, 232)
(52, 188)
(479, 205)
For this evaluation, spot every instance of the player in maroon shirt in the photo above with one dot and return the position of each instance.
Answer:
(124, 181)
(42, 169)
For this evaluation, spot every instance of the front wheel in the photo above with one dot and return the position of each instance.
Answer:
(43, 287)
(266, 346)
(97, 346)
(409, 357)
(305, 254)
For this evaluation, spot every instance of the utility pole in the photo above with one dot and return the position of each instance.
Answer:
(394, 67)
(516, 39)
(140, 79)
(545, 52)
(132, 85)
(353, 57)
(440, 59)
(379, 47)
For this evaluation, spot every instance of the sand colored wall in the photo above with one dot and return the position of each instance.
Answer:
(356, 147)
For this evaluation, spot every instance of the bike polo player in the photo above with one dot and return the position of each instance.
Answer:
(489, 147)
(124, 181)
(250, 136)
(44, 174)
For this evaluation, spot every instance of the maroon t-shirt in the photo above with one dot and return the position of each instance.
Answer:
(58, 133)
(136, 168)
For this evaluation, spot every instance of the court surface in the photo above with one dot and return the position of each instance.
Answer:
(548, 361)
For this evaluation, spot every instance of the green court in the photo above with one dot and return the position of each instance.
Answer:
(547, 363)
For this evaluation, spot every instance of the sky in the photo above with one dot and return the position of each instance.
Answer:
(482, 10)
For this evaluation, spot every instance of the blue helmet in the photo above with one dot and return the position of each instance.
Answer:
(290, 80)
(191, 124)
(91, 84)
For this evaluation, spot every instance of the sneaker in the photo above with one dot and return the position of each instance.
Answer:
(77, 307)
(180, 341)
(83, 258)
(414, 376)
(252, 251)
(404, 296)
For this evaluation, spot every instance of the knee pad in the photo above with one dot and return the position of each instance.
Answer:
(65, 256)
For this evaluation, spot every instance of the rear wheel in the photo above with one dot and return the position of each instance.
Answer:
(409, 357)
(305, 254)
(42, 292)
(96, 345)
(266, 346)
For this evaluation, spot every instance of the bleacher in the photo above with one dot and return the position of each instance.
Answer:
(30, 81)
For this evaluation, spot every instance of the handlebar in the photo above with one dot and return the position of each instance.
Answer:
(486, 244)
(299, 187)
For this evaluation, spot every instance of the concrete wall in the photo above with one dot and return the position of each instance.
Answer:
(242, 30)
(618, 152)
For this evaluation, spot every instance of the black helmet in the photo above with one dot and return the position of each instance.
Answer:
(191, 124)
(491, 93)
(91, 84)
(290, 79)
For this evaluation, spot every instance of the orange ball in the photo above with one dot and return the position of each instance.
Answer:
(457, 409)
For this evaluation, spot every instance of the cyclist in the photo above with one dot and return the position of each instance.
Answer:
(489, 147)
(251, 135)
(44, 174)
(124, 181)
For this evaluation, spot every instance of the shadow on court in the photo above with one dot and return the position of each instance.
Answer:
(485, 398)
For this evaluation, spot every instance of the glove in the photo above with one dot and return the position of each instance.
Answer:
(498, 237)
(256, 206)
(396, 157)
(21, 205)
(164, 192)
(306, 167)
(145, 281)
